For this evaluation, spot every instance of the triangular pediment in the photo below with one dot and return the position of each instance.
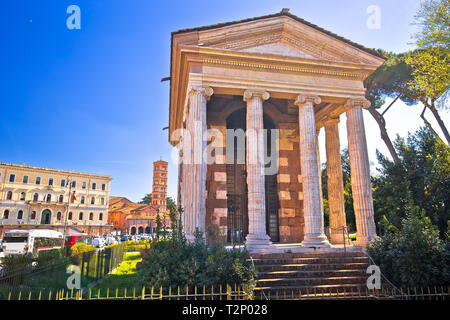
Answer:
(279, 49)
(284, 36)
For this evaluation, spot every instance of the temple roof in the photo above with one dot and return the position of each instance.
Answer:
(284, 12)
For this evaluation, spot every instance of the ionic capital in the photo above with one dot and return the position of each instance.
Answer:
(331, 121)
(207, 92)
(358, 102)
(249, 94)
(304, 98)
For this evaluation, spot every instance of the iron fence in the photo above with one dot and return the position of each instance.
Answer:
(427, 293)
(228, 292)
(35, 278)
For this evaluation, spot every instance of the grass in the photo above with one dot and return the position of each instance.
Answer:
(124, 276)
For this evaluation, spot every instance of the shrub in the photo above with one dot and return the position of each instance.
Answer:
(78, 250)
(15, 262)
(176, 263)
(48, 257)
(132, 246)
(412, 256)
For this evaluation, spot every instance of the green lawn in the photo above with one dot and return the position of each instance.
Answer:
(123, 277)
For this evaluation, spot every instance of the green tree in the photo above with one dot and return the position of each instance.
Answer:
(390, 80)
(171, 204)
(421, 178)
(430, 80)
(412, 255)
(147, 199)
(431, 62)
(434, 24)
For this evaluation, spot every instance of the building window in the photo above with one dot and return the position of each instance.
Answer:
(25, 179)
(156, 190)
(156, 182)
(94, 186)
(83, 198)
(12, 177)
(38, 180)
(91, 216)
(100, 216)
(63, 182)
(22, 196)
(33, 215)
(103, 186)
(93, 200)
(35, 197)
(50, 181)
(74, 184)
(49, 197)
(102, 201)
(70, 216)
(164, 168)
(156, 167)
(61, 199)
(156, 175)
(20, 215)
(9, 195)
(83, 185)
(6, 214)
(80, 216)
(58, 216)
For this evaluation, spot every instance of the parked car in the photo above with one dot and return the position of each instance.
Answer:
(126, 238)
(110, 241)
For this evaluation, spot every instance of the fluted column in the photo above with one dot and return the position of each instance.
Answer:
(257, 237)
(312, 202)
(195, 186)
(335, 183)
(360, 172)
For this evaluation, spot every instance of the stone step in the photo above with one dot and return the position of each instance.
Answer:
(311, 266)
(310, 273)
(349, 291)
(332, 288)
(289, 282)
(307, 255)
(309, 260)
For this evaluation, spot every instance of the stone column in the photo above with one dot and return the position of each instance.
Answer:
(257, 238)
(335, 181)
(360, 172)
(312, 202)
(195, 186)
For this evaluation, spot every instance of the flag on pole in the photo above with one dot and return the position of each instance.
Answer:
(45, 196)
(74, 198)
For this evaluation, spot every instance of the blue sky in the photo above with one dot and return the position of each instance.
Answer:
(91, 99)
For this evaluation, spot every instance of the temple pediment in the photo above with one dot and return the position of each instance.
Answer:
(283, 35)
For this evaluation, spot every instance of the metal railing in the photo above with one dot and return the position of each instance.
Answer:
(228, 292)
(427, 293)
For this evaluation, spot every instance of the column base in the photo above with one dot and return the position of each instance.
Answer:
(259, 243)
(315, 241)
(338, 238)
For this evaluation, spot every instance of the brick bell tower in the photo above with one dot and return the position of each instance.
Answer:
(159, 192)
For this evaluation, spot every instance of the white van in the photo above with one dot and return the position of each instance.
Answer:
(31, 241)
(99, 242)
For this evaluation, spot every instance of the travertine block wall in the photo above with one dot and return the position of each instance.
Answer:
(216, 180)
(289, 184)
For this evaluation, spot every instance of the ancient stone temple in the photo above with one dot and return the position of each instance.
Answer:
(292, 78)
